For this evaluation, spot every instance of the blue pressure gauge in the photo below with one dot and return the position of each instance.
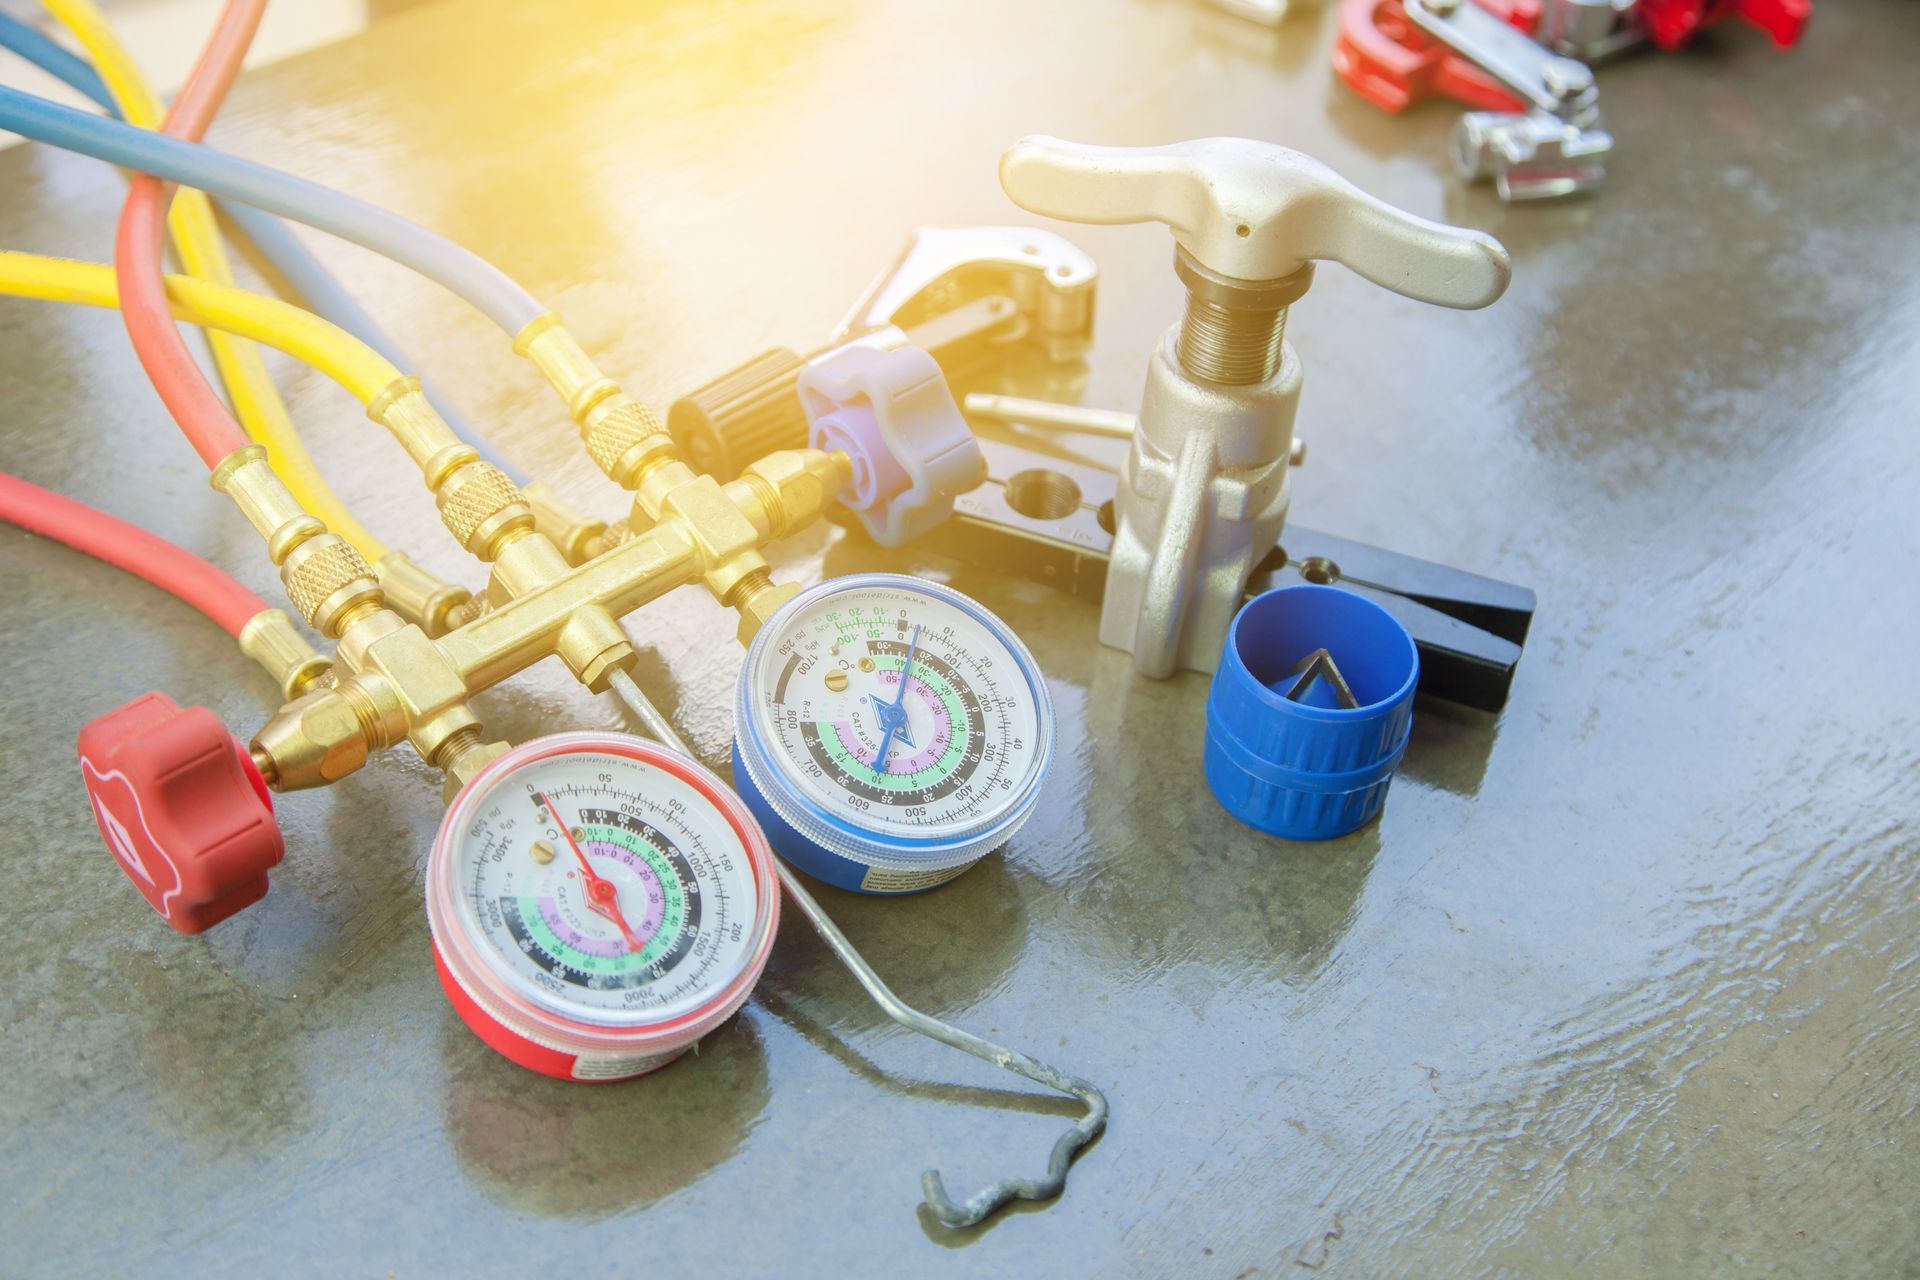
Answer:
(889, 732)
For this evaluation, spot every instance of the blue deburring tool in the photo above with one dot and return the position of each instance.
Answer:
(1309, 712)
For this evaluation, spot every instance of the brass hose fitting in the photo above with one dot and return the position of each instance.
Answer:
(330, 584)
(419, 596)
(624, 437)
(478, 504)
(327, 581)
(327, 733)
(264, 500)
(482, 509)
(774, 490)
(574, 532)
(269, 638)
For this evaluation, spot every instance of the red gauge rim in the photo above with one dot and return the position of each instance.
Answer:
(543, 1026)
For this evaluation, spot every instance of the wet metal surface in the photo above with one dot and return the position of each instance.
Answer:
(1623, 981)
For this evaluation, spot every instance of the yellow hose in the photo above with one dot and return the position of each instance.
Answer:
(196, 236)
(222, 308)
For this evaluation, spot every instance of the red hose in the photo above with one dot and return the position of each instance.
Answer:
(138, 260)
(125, 546)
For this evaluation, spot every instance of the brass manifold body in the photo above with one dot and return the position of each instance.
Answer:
(394, 679)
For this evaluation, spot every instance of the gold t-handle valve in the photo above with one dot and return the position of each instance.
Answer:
(1250, 210)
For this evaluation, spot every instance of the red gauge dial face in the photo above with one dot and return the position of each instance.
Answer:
(605, 889)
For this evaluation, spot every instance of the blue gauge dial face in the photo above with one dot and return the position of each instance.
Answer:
(900, 710)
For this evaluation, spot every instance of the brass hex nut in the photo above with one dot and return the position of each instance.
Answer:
(760, 606)
(793, 486)
(465, 764)
(325, 735)
(594, 645)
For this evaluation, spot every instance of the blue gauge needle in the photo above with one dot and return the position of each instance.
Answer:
(892, 714)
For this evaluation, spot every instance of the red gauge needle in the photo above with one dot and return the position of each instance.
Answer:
(603, 898)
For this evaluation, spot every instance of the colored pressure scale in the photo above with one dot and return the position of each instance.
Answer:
(889, 732)
(597, 904)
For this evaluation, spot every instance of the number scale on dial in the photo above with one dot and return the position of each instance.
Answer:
(677, 889)
(602, 895)
(897, 714)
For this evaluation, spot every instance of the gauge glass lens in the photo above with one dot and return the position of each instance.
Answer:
(960, 733)
(605, 888)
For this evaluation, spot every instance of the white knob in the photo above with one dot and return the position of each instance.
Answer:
(1255, 211)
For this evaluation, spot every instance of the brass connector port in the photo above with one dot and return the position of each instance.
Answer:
(417, 595)
(326, 734)
(463, 756)
(574, 532)
(758, 597)
(271, 640)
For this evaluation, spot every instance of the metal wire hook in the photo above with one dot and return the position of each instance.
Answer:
(982, 1203)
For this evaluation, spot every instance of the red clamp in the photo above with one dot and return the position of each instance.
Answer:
(182, 807)
(1672, 23)
(1391, 63)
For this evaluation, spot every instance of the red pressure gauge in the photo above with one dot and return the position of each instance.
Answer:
(597, 904)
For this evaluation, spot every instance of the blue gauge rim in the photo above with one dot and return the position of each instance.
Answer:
(768, 775)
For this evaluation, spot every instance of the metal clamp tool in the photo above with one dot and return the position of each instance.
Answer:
(1557, 145)
(1203, 494)
(1537, 134)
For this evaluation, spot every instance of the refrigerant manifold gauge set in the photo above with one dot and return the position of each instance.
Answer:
(598, 902)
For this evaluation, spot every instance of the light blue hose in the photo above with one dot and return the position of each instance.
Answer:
(323, 294)
(31, 45)
(217, 173)
(317, 287)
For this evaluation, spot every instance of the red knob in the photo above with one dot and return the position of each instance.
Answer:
(1784, 20)
(183, 809)
(1672, 23)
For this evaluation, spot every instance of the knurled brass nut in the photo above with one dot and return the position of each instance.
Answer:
(478, 502)
(758, 609)
(616, 429)
(323, 575)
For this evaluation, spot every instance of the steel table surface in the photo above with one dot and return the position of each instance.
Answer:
(1622, 982)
